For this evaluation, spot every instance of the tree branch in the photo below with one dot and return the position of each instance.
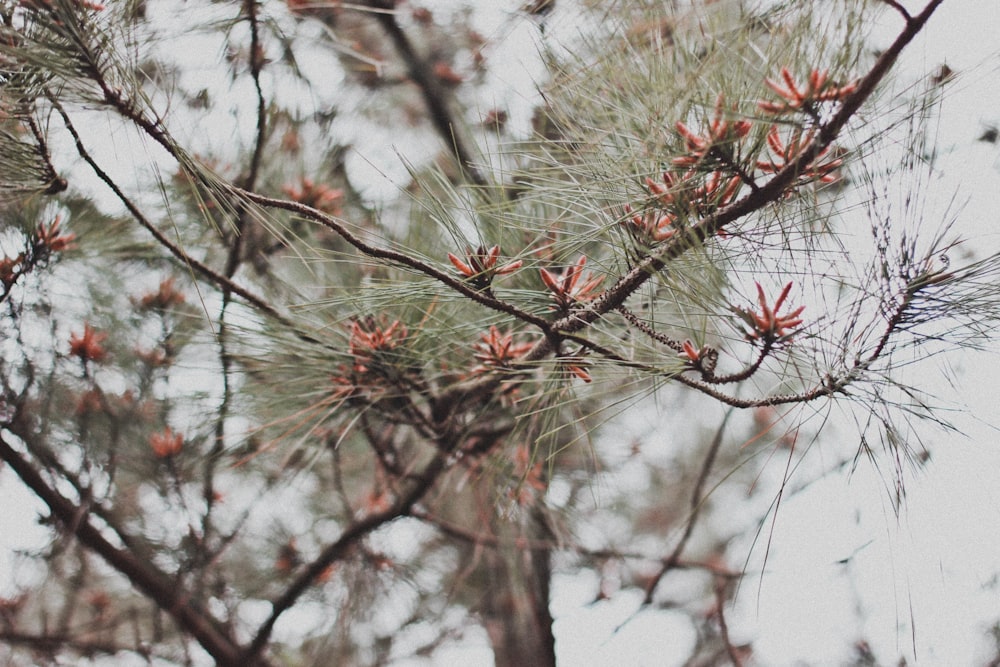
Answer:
(399, 258)
(156, 585)
(338, 549)
(697, 503)
(771, 191)
(434, 94)
(256, 64)
(175, 250)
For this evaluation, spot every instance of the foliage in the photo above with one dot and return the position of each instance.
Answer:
(277, 418)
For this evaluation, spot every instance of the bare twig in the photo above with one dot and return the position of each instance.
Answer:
(433, 93)
(707, 376)
(143, 574)
(899, 8)
(697, 503)
(49, 643)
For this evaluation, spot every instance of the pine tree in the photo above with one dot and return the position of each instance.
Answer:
(278, 413)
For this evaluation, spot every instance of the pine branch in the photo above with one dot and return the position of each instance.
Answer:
(175, 250)
(156, 585)
(337, 550)
(771, 191)
(434, 95)
(156, 131)
(398, 258)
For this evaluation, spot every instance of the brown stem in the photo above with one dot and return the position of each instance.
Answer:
(697, 503)
(708, 377)
(340, 548)
(720, 612)
(434, 94)
(256, 64)
(155, 584)
(899, 8)
(56, 184)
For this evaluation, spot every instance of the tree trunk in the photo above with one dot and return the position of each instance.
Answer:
(515, 606)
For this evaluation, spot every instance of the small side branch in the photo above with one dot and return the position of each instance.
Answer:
(56, 183)
(154, 584)
(899, 8)
(697, 503)
(435, 96)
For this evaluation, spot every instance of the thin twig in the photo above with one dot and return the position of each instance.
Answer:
(56, 184)
(142, 573)
(49, 643)
(175, 250)
(899, 8)
(233, 262)
(434, 94)
(697, 503)
(707, 376)
(720, 604)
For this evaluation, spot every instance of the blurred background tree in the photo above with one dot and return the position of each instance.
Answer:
(335, 332)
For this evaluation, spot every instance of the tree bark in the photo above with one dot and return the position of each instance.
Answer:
(515, 606)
